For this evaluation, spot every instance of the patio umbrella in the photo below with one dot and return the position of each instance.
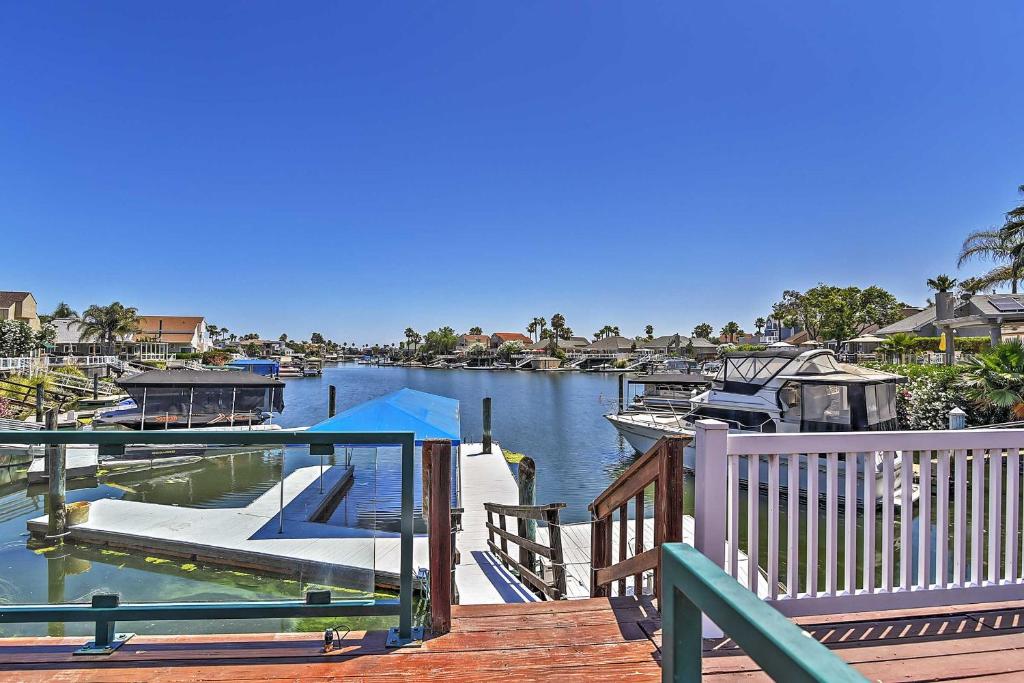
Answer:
(866, 339)
(781, 344)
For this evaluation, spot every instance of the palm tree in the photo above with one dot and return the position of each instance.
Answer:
(941, 283)
(557, 325)
(649, 331)
(1003, 246)
(703, 331)
(899, 344)
(731, 329)
(759, 325)
(108, 324)
(476, 330)
(536, 328)
(996, 377)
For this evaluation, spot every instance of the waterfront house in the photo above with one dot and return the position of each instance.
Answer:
(499, 338)
(20, 306)
(68, 341)
(467, 340)
(171, 334)
(976, 316)
(570, 344)
(677, 344)
(613, 345)
(544, 363)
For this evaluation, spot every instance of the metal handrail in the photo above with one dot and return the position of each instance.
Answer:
(692, 584)
(105, 608)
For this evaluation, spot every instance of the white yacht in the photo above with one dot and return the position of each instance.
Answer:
(782, 390)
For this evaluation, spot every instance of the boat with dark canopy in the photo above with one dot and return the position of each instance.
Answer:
(191, 399)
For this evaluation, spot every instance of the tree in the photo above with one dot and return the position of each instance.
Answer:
(441, 341)
(16, 339)
(649, 331)
(730, 330)
(703, 331)
(941, 283)
(996, 377)
(63, 311)
(252, 349)
(536, 328)
(899, 344)
(317, 338)
(970, 286)
(476, 350)
(509, 349)
(557, 325)
(759, 324)
(1003, 246)
(108, 324)
(831, 312)
(476, 330)
(283, 338)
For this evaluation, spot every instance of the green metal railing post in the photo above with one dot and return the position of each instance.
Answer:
(692, 584)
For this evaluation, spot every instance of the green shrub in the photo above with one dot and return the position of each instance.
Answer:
(931, 391)
(69, 370)
(188, 356)
(215, 357)
(966, 344)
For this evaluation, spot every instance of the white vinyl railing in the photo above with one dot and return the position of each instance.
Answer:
(860, 527)
(16, 363)
(77, 361)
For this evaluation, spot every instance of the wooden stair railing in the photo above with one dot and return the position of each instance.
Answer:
(553, 588)
(661, 466)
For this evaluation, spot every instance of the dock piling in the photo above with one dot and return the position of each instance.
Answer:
(55, 460)
(440, 534)
(40, 394)
(487, 424)
(622, 391)
(527, 528)
(95, 387)
(332, 394)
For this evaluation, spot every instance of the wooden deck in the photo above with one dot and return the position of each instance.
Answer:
(594, 640)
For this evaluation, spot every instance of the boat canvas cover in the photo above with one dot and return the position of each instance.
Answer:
(428, 416)
(256, 366)
(209, 392)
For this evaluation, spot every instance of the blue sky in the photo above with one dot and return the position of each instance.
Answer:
(357, 168)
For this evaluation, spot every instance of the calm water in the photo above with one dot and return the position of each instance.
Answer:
(556, 418)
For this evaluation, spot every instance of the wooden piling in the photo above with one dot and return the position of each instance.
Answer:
(622, 390)
(96, 387)
(487, 424)
(527, 528)
(332, 395)
(440, 535)
(55, 469)
(40, 397)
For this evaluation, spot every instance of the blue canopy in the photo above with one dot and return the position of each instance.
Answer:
(427, 415)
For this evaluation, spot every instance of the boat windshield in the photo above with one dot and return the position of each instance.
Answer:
(819, 365)
(838, 407)
(746, 374)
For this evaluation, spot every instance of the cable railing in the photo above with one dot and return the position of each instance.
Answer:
(106, 609)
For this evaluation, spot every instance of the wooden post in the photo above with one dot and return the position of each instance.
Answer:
(332, 394)
(600, 554)
(440, 537)
(96, 387)
(56, 512)
(709, 489)
(622, 391)
(40, 395)
(426, 462)
(527, 528)
(668, 500)
(487, 424)
(557, 559)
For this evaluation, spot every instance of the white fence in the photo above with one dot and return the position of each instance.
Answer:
(16, 363)
(77, 361)
(960, 543)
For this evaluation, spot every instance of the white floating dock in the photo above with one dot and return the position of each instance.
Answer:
(82, 461)
(480, 577)
(248, 537)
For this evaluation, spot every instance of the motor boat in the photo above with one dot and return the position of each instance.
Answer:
(779, 390)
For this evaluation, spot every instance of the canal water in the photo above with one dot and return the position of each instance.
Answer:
(556, 418)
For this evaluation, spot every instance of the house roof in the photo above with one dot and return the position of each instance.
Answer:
(175, 328)
(570, 343)
(8, 299)
(910, 324)
(473, 338)
(512, 336)
(68, 330)
(611, 344)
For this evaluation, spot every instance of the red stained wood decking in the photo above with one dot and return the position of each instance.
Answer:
(592, 640)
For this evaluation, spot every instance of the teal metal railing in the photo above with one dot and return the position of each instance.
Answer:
(691, 584)
(105, 610)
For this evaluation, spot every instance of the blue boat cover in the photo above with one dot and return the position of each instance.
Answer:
(427, 415)
(257, 366)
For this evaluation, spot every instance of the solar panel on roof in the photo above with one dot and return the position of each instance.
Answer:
(1008, 304)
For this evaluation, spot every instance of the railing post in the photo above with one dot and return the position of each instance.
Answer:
(527, 528)
(56, 519)
(668, 499)
(710, 492)
(957, 419)
(487, 424)
(440, 537)
(600, 554)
